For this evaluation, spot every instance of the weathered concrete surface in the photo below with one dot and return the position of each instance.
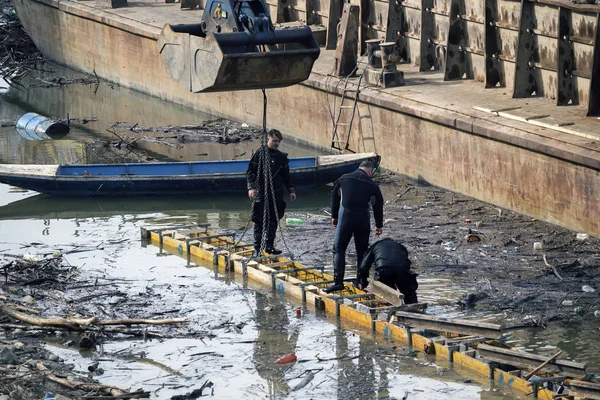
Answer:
(427, 129)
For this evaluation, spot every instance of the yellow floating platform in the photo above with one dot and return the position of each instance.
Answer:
(451, 340)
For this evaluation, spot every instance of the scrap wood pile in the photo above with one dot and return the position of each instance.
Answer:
(129, 140)
(59, 81)
(217, 130)
(18, 54)
(43, 295)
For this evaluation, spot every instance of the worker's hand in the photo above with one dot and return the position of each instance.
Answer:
(293, 196)
(334, 222)
(252, 194)
(378, 231)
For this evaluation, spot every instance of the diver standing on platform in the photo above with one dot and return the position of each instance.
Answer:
(267, 193)
(350, 199)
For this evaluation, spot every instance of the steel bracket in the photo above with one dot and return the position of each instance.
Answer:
(494, 67)
(594, 99)
(458, 63)
(528, 77)
(429, 59)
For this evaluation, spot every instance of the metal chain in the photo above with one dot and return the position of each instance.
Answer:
(264, 170)
(270, 187)
(266, 191)
(261, 158)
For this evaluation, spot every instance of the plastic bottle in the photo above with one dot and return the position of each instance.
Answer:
(294, 221)
(286, 359)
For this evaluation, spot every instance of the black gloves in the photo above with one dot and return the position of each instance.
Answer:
(361, 280)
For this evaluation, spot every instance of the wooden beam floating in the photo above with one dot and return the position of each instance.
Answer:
(392, 296)
(523, 359)
(464, 327)
(589, 390)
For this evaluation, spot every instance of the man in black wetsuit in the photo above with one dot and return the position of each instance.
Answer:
(257, 190)
(392, 268)
(350, 199)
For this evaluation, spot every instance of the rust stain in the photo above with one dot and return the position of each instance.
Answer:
(584, 62)
(585, 29)
(547, 57)
(504, 16)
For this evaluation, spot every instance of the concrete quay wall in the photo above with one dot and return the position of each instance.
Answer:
(544, 178)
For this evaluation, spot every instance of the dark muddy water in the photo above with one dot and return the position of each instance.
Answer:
(238, 361)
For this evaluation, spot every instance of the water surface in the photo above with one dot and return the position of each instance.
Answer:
(238, 362)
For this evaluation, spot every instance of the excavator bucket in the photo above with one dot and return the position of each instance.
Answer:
(205, 61)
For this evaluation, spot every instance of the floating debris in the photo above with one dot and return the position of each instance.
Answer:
(32, 126)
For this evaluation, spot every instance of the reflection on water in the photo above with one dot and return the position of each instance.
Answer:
(244, 360)
(578, 341)
(237, 361)
(252, 326)
(16, 150)
(222, 211)
(62, 220)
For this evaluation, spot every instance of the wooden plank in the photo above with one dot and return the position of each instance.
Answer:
(264, 268)
(588, 385)
(546, 121)
(392, 296)
(589, 390)
(542, 365)
(450, 325)
(523, 359)
(496, 108)
(583, 395)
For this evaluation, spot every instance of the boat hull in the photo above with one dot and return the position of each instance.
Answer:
(168, 185)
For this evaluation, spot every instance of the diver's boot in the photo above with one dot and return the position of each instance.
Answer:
(339, 270)
(273, 250)
(256, 253)
(334, 288)
(271, 246)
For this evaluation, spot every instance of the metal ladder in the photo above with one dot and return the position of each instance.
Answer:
(338, 141)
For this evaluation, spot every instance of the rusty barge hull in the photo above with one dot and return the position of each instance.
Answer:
(507, 144)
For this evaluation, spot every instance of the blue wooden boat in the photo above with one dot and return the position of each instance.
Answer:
(173, 178)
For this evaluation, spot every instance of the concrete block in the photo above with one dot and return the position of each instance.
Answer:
(464, 124)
